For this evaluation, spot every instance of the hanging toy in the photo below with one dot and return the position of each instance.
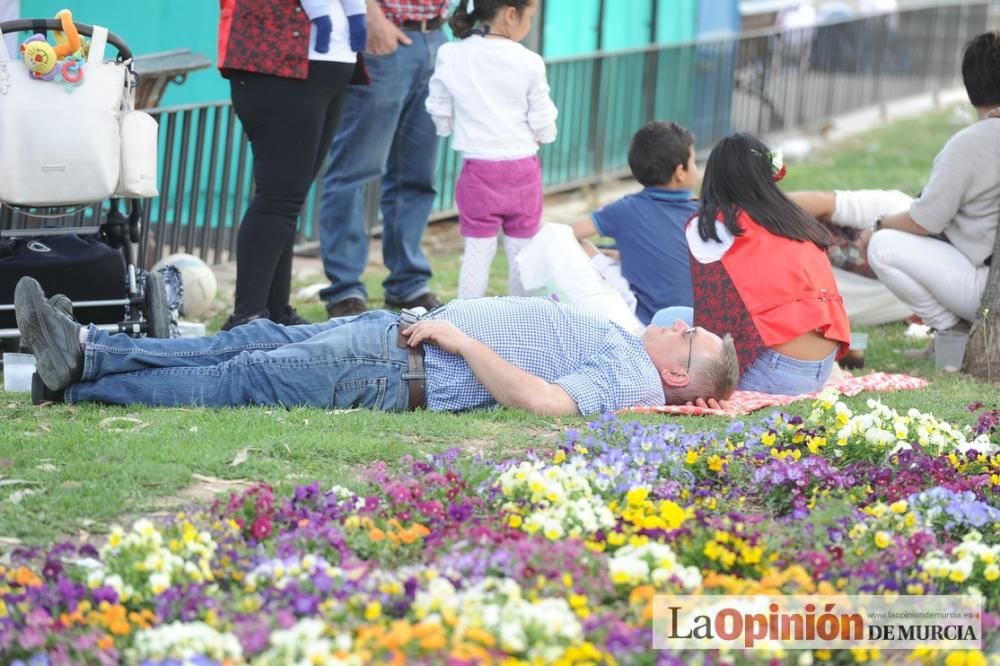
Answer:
(65, 38)
(63, 62)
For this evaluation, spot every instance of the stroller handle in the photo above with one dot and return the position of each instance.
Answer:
(85, 29)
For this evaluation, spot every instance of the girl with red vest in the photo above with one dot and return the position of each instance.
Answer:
(289, 63)
(760, 272)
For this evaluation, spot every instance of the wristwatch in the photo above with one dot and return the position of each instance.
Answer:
(878, 223)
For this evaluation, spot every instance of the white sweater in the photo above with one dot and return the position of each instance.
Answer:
(493, 95)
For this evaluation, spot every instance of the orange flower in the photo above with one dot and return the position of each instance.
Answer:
(376, 535)
(413, 532)
(433, 642)
(114, 619)
(399, 635)
(480, 636)
(105, 642)
(424, 629)
(26, 578)
(641, 593)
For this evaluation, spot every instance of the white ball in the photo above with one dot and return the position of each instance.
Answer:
(198, 280)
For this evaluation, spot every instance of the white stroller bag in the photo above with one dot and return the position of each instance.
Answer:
(61, 146)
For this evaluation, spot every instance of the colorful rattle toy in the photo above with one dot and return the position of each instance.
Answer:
(47, 62)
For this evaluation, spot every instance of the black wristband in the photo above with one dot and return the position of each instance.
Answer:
(878, 223)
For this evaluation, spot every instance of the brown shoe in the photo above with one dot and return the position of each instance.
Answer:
(348, 307)
(427, 300)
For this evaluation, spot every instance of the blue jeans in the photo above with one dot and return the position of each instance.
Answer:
(384, 131)
(776, 373)
(341, 363)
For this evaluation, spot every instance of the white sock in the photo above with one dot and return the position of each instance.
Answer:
(512, 247)
(476, 261)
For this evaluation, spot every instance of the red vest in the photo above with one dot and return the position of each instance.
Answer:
(265, 36)
(767, 290)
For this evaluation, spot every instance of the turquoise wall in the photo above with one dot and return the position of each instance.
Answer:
(677, 21)
(626, 29)
(570, 27)
(148, 26)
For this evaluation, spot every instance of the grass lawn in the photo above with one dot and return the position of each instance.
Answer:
(71, 470)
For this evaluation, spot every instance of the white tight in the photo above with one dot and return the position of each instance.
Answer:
(475, 272)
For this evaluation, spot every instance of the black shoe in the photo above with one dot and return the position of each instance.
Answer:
(53, 337)
(289, 316)
(427, 300)
(235, 321)
(40, 393)
(346, 308)
(62, 303)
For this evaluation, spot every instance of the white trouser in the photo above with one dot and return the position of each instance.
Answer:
(929, 275)
(868, 301)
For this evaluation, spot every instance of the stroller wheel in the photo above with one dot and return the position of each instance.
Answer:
(156, 309)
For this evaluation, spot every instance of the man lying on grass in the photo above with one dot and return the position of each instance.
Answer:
(544, 357)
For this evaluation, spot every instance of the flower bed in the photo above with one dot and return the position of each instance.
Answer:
(553, 558)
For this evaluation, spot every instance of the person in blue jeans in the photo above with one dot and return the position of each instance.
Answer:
(531, 353)
(385, 131)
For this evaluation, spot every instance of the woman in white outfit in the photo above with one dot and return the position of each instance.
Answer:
(934, 252)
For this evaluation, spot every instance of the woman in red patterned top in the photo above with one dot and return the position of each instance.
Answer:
(760, 272)
(289, 63)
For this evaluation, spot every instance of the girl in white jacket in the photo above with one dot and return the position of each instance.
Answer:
(492, 94)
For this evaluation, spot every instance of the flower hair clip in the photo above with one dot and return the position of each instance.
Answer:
(777, 160)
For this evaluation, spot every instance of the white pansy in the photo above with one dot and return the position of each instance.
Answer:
(651, 562)
(182, 641)
(561, 500)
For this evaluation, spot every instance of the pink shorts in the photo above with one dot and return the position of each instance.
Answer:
(503, 194)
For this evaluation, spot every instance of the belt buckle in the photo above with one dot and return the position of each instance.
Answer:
(423, 26)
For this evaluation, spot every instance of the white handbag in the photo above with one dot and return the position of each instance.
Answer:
(63, 146)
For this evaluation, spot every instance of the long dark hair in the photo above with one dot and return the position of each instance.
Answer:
(462, 22)
(738, 176)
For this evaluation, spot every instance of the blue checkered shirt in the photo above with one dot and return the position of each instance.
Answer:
(603, 367)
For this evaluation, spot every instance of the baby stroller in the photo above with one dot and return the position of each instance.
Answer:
(80, 250)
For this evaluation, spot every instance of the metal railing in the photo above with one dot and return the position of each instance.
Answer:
(761, 82)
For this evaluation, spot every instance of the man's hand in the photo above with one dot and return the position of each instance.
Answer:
(383, 36)
(440, 333)
(508, 384)
(711, 403)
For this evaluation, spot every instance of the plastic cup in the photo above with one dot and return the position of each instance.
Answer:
(17, 371)
(949, 350)
(855, 356)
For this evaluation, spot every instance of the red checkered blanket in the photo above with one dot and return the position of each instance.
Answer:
(744, 402)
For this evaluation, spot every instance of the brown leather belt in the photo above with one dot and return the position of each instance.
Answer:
(423, 25)
(415, 375)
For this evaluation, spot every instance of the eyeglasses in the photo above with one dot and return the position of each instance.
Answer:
(689, 333)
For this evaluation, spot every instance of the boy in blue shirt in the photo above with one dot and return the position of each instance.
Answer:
(648, 226)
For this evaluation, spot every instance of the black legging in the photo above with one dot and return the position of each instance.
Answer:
(290, 123)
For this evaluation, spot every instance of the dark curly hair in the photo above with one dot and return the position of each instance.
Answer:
(656, 151)
(462, 22)
(981, 69)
